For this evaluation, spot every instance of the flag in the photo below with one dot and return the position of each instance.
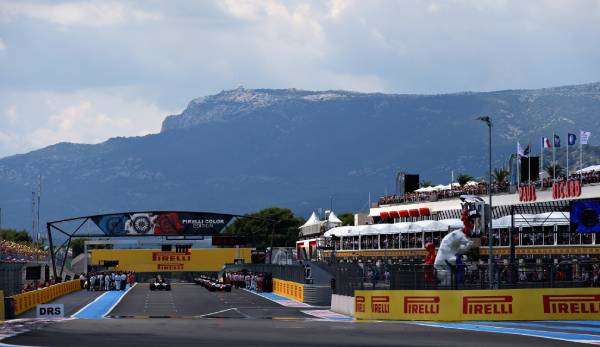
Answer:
(526, 150)
(546, 142)
(571, 139)
(556, 141)
(520, 150)
(584, 137)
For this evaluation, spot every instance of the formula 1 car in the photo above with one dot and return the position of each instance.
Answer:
(212, 285)
(160, 283)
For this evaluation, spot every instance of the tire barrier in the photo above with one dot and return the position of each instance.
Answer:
(527, 193)
(288, 289)
(566, 189)
(26, 301)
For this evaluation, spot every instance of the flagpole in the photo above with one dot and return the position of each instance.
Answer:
(518, 167)
(541, 167)
(529, 163)
(553, 156)
(580, 160)
(568, 155)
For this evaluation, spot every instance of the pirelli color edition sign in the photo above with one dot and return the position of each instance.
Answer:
(459, 305)
(161, 223)
(150, 260)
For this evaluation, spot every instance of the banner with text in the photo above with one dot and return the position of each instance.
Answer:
(462, 305)
(161, 223)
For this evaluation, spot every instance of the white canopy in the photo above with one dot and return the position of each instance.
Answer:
(531, 220)
(333, 219)
(312, 220)
(472, 183)
(589, 169)
(440, 187)
(396, 228)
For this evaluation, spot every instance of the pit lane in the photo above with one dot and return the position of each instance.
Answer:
(192, 301)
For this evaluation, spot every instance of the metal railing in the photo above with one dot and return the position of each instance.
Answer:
(348, 277)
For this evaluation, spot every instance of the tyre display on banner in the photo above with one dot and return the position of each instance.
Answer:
(161, 223)
(476, 305)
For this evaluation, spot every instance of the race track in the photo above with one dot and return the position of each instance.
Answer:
(192, 301)
(190, 315)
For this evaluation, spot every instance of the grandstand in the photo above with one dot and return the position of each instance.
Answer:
(21, 267)
(399, 227)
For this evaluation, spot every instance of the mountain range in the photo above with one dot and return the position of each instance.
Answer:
(244, 149)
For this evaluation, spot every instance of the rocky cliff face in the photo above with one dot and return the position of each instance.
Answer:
(243, 149)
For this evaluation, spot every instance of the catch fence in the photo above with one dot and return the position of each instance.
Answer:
(348, 277)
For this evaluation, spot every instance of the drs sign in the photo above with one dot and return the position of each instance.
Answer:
(50, 311)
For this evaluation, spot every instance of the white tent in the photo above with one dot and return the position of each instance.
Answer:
(332, 219)
(589, 169)
(472, 183)
(440, 187)
(532, 220)
(396, 228)
(312, 220)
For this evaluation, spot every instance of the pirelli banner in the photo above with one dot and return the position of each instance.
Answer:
(462, 305)
(149, 260)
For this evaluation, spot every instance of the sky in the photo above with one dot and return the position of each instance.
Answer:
(86, 71)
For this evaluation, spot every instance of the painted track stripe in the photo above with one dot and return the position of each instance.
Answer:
(281, 300)
(580, 322)
(102, 306)
(562, 326)
(572, 337)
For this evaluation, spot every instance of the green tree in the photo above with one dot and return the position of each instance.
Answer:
(77, 246)
(347, 218)
(462, 179)
(560, 171)
(500, 175)
(259, 232)
(19, 236)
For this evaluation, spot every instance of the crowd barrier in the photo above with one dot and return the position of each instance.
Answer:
(1, 306)
(289, 289)
(463, 305)
(26, 301)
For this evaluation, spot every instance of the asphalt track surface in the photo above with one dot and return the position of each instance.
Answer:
(239, 318)
(73, 302)
(192, 301)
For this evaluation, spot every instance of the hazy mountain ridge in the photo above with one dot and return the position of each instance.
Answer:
(244, 149)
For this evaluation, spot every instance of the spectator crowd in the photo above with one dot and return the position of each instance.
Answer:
(107, 280)
(255, 281)
(480, 188)
(13, 252)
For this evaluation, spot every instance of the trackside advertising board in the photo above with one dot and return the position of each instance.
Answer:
(463, 305)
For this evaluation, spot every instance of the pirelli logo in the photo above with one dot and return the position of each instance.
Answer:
(580, 303)
(380, 304)
(359, 304)
(486, 305)
(422, 304)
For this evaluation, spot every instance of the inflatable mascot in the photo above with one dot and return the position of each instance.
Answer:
(456, 243)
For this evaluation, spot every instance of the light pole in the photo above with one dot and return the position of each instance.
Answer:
(488, 121)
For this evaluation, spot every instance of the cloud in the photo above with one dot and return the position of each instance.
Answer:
(89, 13)
(2, 45)
(37, 119)
(165, 53)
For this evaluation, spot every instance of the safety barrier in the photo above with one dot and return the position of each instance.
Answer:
(1, 306)
(26, 301)
(292, 290)
(461, 305)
